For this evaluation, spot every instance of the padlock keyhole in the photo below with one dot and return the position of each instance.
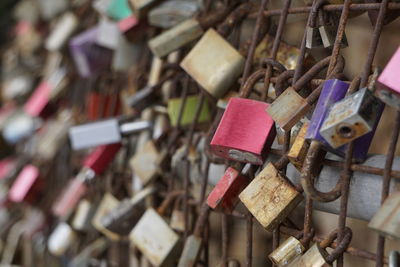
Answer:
(346, 132)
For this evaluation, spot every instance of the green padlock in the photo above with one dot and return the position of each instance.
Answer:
(189, 111)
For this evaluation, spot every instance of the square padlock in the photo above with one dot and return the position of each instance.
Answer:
(245, 132)
(288, 109)
(270, 197)
(388, 84)
(225, 194)
(350, 118)
(214, 64)
(189, 111)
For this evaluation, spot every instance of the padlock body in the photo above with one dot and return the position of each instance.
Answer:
(25, 186)
(107, 204)
(176, 37)
(145, 163)
(388, 84)
(177, 221)
(189, 111)
(61, 32)
(61, 239)
(289, 250)
(214, 64)
(155, 239)
(245, 132)
(314, 257)
(387, 220)
(298, 151)
(328, 36)
(288, 109)
(270, 197)
(225, 194)
(350, 118)
(190, 252)
(313, 38)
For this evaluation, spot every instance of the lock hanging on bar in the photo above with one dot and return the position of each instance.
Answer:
(287, 252)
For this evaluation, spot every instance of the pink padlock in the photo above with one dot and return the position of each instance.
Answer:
(225, 194)
(25, 185)
(70, 197)
(101, 157)
(245, 132)
(38, 100)
(388, 84)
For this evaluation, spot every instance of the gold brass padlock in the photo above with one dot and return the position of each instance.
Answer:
(298, 151)
(270, 197)
(387, 220)
(224, 64)
(289, 250)
(314, 257)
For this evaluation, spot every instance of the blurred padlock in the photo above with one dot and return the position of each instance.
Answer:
(313, 257)
(65, 26)
(287, 252)
(155, 239)
(169, 13)
(103, 132)
(61, 239)
(82, 216)
(172, 39)
(26, 186)
(387, 220)
(225, 194)
(141, 7)
(328, 30)
(189, 111)
(270, 197)
(107, 204)
(229, 141)
(350, 118)
(388, 83)
(224, 64)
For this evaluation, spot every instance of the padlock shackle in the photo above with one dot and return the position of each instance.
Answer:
(168, 200)
(341, 247)
(316, 6)
(236, 16)
(307, 181)
(201, 219)
(258, 75)
(281, 81)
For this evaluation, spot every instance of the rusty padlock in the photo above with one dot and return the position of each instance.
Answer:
(229, 141)
(387, 220)
(270, 197)
(388, 89)
(225, 194)
(298, 151)
(352, 117)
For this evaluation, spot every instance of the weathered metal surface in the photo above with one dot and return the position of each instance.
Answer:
(314, 257)
(190, 252)
(213, 63)
(287, 251)
(351, 118)
(176, 37)
(231, 142)
(288, 109)
(225, 194)
(153, 237)
(270, 197)
(298, 151)
(145, 163)
(387, 220)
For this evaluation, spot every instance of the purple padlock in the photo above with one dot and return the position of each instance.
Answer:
(86, 53)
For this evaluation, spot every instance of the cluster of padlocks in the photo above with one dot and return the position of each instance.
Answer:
(125, 123)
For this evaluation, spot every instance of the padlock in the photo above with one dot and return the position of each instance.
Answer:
(125, 55)
(161, 127)
(155, 239)
(118, 10)
(387, 220)
(107, 204)
(108, 33)
(224, 196)
(394, 259)
(313, 38)
(270, 197)
(328, 30)
(287, 251)
(66, 25)
(103, 132)
(123, 218)
(82, 217)
(19, 126)
(141, 7)
(26, 186)
(298, 151)
(313, 257)
(62, 237)
(288, 109)
(94, 164)
(350, 118)
(174, 38)
(224, 64)
(388, 89)
(189, 111)
(169, 13)
(177, 221)
(229, 141)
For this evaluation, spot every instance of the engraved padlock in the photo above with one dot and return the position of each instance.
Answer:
(225, 194)
(270, 197)
(387, 220)
(287, 251)
(229, 141)
(350, 118)
(189, 110)
(104, 132)
(388, 83)
(155, 239)
(224, 64)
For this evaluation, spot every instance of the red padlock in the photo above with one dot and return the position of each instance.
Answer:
(26, 185)
(245, 132)
(225, 194)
